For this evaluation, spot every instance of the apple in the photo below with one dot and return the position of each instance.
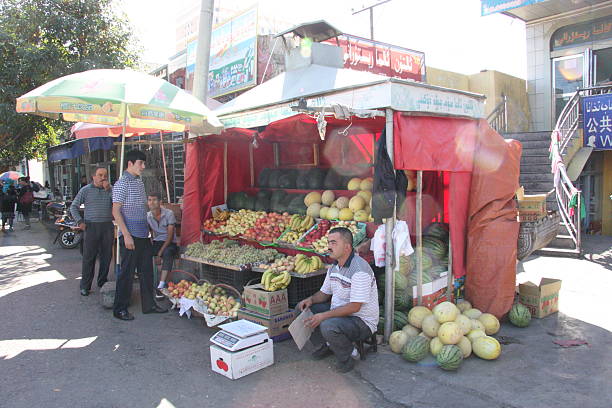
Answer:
(222, 365)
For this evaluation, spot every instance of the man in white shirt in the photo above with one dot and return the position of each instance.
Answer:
(346, 307)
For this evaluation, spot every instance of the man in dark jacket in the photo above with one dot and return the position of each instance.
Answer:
(8, 200)
(25, 198)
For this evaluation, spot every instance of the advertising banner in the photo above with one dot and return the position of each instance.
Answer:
(597, 111)
(233, 49)
(379, 58)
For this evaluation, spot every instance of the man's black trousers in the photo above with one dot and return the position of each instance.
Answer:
(141, 259)
(97, 243)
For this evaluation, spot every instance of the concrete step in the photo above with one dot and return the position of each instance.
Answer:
(535, 159)
(559, 252)
(562, 242)
(531, 144)
(535, 168)
(525, 136)
(535, 177)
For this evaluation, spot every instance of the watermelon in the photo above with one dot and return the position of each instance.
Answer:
(427, 263)
(401, 282)
(287, 178)
(416, 349)
(519, 315)
(438, 230)
(403, 300)
(333, 181)
(450, 357)
(316, 179)
(262, 180)
(399, 320)
(273, 178)
(301, 180)
(435, 248)
(262, 204)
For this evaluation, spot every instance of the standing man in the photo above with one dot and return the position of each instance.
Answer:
(162, 225)
(97, 227)
(346, 307)
(25, 198)
(130, 212)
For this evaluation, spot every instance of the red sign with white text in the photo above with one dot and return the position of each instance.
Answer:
(379, 58)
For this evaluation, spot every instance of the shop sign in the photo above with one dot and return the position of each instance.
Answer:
(497, 6)
(361, 54)
(575, 34)
(597, 115)
(233, 49)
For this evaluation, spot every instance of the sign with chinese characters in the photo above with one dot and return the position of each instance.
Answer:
(497, 6)
(379, 58)
(233, 55)
(575, 34)
(597, 116)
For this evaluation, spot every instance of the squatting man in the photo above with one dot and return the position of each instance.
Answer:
(346, 307)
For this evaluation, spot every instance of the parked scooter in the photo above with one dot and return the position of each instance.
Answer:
(68, 235)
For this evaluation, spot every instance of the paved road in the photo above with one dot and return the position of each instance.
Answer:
(58, 349)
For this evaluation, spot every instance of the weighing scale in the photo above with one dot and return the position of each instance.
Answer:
(240, 335)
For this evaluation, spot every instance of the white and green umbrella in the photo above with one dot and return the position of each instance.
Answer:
(120, 97)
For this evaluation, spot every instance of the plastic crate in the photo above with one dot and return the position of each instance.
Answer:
(301, 288)
(236, 279)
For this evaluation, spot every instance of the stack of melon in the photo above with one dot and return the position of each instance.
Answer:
(449, 332)
(326, 206)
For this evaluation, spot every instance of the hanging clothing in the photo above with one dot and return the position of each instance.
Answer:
(401, 242)
(389, 186)
(378, 246)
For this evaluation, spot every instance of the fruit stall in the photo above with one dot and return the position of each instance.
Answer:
(320, 146)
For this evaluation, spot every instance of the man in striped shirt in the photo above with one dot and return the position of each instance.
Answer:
(346, 307)
(97, 227)
(130, 212)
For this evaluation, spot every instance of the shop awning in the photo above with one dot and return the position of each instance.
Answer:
(76, 148)
(322, 86)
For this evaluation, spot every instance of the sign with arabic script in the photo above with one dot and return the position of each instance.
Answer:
(575, 34)
(597, 119)
(379, 58)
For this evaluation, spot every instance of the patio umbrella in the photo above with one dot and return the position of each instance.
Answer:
(10, 175)
(120, 97)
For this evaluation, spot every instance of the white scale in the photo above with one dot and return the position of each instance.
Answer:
(239, 335)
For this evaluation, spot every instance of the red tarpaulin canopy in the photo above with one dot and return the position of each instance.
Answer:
(459, 156)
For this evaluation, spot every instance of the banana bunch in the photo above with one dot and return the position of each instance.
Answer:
(301, 224)
(291, 237)
(307, 264)
(272, 280)
(321, 246)
(220, 215)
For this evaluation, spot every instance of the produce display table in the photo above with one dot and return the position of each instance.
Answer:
(216, 272)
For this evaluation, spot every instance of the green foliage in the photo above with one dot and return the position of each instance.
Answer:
(41, 40)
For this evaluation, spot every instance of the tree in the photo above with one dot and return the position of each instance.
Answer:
(41, 40)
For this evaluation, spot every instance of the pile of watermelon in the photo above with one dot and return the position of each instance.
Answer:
(451, 333)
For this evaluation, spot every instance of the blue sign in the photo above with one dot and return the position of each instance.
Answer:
(497, 6)
(597, 120)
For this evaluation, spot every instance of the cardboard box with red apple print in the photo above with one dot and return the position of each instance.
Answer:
(237, 364)
(263, 302)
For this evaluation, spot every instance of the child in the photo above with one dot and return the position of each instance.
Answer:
(9, 199)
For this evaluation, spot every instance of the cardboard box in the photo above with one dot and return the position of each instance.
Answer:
(263, 302)
(530, 207)
(278, 325)
(541, 300)
(237, 364)
(433, 292)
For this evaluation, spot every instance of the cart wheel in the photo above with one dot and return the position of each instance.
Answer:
(69, 239)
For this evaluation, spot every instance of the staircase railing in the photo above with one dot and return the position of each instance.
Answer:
(565, 130)
(498, 118)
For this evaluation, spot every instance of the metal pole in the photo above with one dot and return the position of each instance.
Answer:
(419, 236)
(225, 172)
(371, 23)
(161, 139)
(389, 224)
(449, 283)
(200, 80)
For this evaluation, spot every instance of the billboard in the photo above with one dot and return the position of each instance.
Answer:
(597, 121)
(233, 51)
(379, 58)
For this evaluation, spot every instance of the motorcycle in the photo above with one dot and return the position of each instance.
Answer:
(68, 235)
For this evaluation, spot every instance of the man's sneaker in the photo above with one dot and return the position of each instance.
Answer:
(322, 352)
(345, 367)
(159, 295)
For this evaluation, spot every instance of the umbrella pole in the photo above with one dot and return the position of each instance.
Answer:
(118, 262)
(161, 139)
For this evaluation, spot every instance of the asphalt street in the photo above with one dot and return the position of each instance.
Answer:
(59, 349)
